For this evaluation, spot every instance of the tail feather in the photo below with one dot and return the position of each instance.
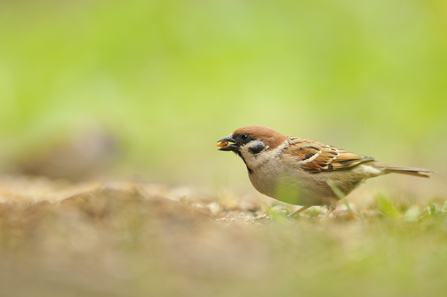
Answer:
(409, 171)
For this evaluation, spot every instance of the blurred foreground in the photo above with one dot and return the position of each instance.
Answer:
(139, 239)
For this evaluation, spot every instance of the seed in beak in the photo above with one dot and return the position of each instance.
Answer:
(222, 143)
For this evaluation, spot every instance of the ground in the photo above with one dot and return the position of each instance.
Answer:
(138, 239)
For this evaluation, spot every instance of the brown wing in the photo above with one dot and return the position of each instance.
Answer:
(316, 157)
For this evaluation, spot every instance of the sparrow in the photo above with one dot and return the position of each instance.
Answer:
(301, 171)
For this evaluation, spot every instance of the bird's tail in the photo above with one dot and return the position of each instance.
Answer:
(409, 171)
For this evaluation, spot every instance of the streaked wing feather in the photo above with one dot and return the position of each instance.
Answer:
(316, 157)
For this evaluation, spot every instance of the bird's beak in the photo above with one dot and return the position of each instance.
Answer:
(225, 145)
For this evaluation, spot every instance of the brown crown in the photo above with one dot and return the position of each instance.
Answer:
(271, 138)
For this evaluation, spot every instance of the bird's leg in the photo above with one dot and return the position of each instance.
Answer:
(297, 212)
(342, 197)
(330, 209)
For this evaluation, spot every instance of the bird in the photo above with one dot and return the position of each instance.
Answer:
(301, 171)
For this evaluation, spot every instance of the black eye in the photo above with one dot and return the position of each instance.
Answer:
(244, 136)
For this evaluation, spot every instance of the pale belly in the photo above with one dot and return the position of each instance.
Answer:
(298, 187)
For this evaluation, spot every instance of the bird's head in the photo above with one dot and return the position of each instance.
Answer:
(251, 140)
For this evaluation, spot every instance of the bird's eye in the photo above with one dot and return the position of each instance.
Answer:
(244, 136)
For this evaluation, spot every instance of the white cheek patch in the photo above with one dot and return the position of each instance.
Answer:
(256, 146)
(254, 159)
(255, 143)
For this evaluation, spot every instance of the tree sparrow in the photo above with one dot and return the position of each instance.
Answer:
(299, 171)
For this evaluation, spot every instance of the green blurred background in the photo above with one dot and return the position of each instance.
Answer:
(167, 79)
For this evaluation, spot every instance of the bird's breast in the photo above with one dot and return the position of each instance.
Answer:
(265, 177)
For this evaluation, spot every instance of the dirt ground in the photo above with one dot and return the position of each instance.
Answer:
(139, 239)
